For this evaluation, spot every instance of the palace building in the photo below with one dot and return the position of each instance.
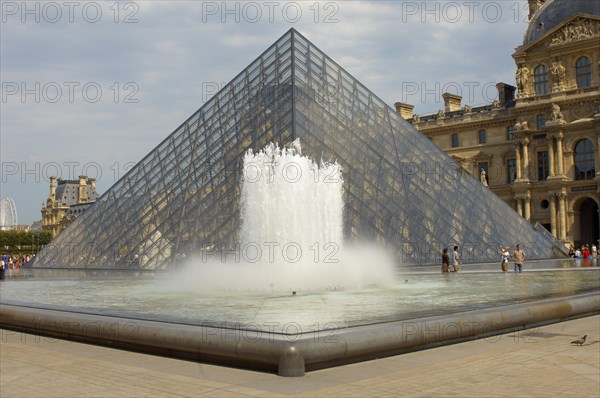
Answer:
(536, 146)
(66, 202)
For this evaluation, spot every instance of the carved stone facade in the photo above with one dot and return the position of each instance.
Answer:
(579, 29)
(66, 201)
(559, 74)
(540, 147)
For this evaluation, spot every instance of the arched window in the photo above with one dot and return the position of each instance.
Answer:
(540, 75)
(585, 168)
(583, 69)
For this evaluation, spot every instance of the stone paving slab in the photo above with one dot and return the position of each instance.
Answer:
(538, 362)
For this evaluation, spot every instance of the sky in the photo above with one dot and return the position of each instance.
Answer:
(89, 88)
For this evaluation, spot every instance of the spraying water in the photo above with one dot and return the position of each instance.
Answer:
(291, 237)
(293, 205)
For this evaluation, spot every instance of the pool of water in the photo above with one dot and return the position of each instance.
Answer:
(417, 292)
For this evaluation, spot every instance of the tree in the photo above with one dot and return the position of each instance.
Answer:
(12, 241)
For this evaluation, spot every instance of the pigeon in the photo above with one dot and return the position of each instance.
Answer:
(580, 340)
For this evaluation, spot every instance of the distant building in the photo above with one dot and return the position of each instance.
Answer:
(21, 228)
(67, 200)
(36, 226)
(539, 148)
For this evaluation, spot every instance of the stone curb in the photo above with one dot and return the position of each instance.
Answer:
(293, 354)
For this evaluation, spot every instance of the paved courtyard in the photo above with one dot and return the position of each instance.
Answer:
(538, 362)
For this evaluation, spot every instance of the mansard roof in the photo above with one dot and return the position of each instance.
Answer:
(553, 13)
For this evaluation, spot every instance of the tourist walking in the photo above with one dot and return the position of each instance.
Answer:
(445, 261)
(504, 253)
(519, 258)
(456, 261)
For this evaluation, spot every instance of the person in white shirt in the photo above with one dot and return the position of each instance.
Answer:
(456, 261)
(504, 253)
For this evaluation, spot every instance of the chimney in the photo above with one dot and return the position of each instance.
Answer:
(451, 102)
(92, 182)
(52, 188)
(506, 93)
(404, 110)
(82, 190)
(535, 5)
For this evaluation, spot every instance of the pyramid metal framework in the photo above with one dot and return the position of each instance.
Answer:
(400, 189)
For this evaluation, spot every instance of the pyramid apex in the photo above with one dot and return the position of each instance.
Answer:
(292, 32)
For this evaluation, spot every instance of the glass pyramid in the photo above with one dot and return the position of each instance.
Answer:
(400, 189)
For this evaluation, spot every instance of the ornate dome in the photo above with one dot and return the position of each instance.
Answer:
(553, 12)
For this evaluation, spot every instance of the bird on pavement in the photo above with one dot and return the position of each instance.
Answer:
(580, 340)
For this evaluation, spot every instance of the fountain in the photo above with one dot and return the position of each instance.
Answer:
(293, 206)
(266, 306)
(291, 236)
(278, 300)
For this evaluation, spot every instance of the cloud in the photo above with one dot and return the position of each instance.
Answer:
(169, 57)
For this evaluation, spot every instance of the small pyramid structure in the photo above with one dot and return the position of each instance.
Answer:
(399, 188)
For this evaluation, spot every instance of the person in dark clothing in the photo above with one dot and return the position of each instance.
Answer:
(445, 261)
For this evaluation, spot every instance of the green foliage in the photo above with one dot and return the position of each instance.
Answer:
(23, 241)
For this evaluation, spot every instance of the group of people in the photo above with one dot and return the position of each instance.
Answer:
(517, 255)
(583, 252)
(454, 259)
(12, 262)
